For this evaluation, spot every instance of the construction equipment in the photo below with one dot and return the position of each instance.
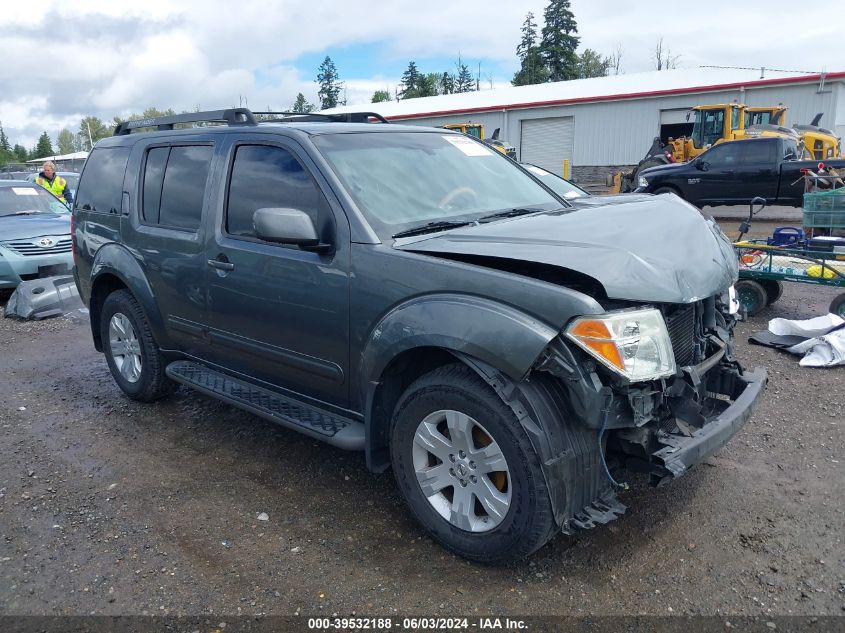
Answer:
(730, 122)
(476, 130)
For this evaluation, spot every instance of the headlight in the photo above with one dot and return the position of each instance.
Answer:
(633, 343)
(642, 181)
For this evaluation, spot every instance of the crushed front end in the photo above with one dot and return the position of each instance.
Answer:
(662, 425)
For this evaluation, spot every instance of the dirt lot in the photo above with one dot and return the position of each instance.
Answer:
(110, 506)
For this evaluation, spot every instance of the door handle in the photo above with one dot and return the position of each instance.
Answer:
(221, 265)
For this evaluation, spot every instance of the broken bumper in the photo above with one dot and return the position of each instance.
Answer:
(679, 452)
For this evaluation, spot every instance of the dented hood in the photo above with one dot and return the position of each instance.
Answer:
(651, 249)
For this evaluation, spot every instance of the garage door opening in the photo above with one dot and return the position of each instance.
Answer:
(674, 124)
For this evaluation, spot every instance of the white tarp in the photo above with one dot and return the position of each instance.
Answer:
(826, 348)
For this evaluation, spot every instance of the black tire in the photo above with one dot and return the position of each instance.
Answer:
(751, 295)
(528, 522)
(837, 306)
(152, 382)
(773, 288)
(660, 190)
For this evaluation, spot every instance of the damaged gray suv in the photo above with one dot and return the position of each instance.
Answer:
(410, 293)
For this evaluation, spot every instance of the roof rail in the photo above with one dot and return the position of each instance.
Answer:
(343, 117)
(232, 116)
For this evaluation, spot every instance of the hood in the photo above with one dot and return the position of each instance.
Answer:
(661, 169)
(648, 248)
(603, 201)
(20, 227)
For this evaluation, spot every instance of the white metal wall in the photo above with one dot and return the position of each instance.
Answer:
(547, 142)
(620, 132)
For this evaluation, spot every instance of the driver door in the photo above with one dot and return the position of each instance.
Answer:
(279, 313)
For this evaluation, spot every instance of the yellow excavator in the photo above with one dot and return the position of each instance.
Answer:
(729, 122)
(476, 130)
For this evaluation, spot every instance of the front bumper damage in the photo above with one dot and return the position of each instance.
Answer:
(680, 451)
(661, 429)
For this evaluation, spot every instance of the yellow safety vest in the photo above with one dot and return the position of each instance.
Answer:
(57, 187)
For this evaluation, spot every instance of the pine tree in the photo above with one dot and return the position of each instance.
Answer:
(532, 67)
(4, 141)
(410, 82)
(20, 153)
(446, 84)
(301, 105)
(464, 81)
(44, 147)
(97, 129)
(330, 84)
(66, 141)
(379, 96)
(591, 64)
(559, 41)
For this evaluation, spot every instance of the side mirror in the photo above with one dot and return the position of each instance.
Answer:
(702, 165)
(288, 226)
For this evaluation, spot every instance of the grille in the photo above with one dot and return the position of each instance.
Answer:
(681, 326)
(31, 248)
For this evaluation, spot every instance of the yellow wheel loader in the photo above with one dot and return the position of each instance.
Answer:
(476, 130)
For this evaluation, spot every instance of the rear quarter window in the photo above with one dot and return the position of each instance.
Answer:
(101, 183)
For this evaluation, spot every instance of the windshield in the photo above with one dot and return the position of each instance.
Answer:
(406, 179)
(561, 187)
(708, 128)
(25, 200)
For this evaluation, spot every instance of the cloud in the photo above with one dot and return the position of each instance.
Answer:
(113, 57)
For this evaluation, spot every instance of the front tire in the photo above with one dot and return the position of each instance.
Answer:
(467, 469)
(131, 351)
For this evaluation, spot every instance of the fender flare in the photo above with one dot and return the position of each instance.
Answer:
(506, 338)
(115, 260)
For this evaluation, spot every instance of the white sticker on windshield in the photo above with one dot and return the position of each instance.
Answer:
(467, 145)
(25, 191)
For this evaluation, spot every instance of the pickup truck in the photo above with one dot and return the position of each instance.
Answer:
(735, 173)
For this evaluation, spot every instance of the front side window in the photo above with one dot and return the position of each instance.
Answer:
(723, 155)
(101, 184)
(174, 185)
(266, 176)
(402, 180)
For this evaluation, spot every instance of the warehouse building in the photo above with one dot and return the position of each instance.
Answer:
(600, 124)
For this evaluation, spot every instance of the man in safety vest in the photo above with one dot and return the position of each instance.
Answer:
(56, 185)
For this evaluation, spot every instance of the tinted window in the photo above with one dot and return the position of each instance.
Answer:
(101, 184)
(184, 186)
(724, 154)
(153, 179)
(266, 177)
(758, 152)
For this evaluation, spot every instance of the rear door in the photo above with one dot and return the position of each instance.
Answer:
(758, 172)
(279, 313)
(167, 234)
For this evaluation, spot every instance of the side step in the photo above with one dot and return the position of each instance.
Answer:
(317, 423)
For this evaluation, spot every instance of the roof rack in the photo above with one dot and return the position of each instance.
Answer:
(232, 116)
(243, 116)
(343, 117)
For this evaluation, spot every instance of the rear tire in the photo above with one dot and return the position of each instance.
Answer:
(773, 288)
(131, 351)
(837, 306)
(751, 295)
(452, 434)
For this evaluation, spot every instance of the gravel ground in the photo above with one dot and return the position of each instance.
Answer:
(108, 506)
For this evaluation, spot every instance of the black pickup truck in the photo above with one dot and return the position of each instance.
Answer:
(736, 172)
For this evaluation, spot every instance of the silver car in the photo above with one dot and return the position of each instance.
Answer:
(34, 234)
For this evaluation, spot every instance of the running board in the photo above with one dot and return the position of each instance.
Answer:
(317, 423)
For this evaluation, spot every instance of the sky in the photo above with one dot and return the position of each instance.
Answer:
(64, 60)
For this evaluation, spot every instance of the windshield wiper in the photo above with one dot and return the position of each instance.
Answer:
(509, 213)
(431, 227)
